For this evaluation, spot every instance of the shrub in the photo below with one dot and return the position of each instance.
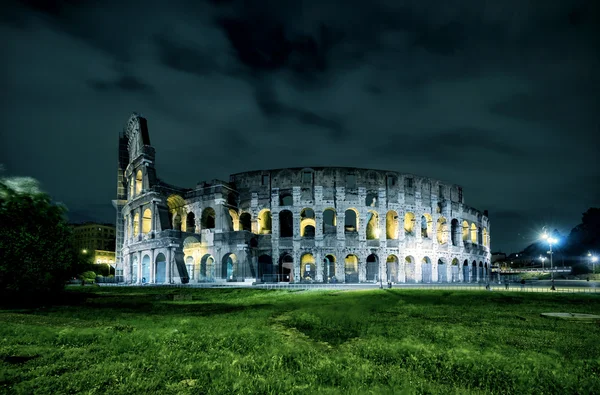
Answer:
(580, 268)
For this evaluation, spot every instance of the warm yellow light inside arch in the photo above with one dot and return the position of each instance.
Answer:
(409, 223)
(307, 222)
(442, 231)
(473, 233)
(147, 221)
(138, 182)
(136, 224)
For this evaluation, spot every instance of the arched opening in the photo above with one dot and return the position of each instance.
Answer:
(146, 221)
(161, 268)
(455, 270)
(145, 269)
(246, 222)
(264, 222)
(329, 269)
(426, 269)
(409, 269)
(134, 269)
(426, 226)
(409, 224)
(466, 274)
(454, 232)
(442, 231)
(208, 218)
(371, 200)
(138, 182)
(190, 223)
(442, 271)
(266, 271)
(308, 269)
(474, 271)
(207, 268)
(391, 225)
(286, 199)
(351, 221)
(232, 199)
(131, 189)
(485, 238)
(286, 268)
(372, 268)
(136, 225)
(372, 229)
(480, 272)
(351, 269)
(189, 265)
(177, 222)
(229, 267)
(176, 205)
(473, 233)
(235, 220)
(465, 231)
(286, 224)
(329, 222)
(392, 268)
(307, 223)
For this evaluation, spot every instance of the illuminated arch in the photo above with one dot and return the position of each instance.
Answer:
(229, 266)
(308, 224)
(235, 220)
(351, 268)
(372, 230)
(351, 220)
(426, 226)
(136, 224)
(485, 238)
(409, 224)
(189, 265)
(308, 269)
(473, 233)
(207, 268)
(329, 267)
(391, 225)
(264, 222)
(465, 231)
(147, 221)
(138, 182)
(392, 268)
(442, 231)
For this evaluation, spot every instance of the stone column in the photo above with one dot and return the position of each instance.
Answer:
(152, 267)
(139, 268)
(340, 223)
(169, 267)
(319, 264)
(318, 225)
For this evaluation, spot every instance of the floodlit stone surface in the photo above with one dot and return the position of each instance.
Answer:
(323, 224)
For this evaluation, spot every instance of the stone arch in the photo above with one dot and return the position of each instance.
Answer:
(190, 222)
(145, 269)
(177, 221)
(442, 270)
(286, 199)
(474, 271)
(372, 268)
(480, 271)
(264, 222)
(138, 182)
(307, 222)
(351, 268)
(176, 205)
(455, 270)
(329, 221)
(485, 238)
(392, 268)
(266, 270)
(136, 224)
(229, 266)
(409, 224)
(208, 219)
(131, 188)
(190, 266)
(442, 231)
(473, 233)
(409, 269)
(371, 200)
(246, 222)
(161, 268)
(426, 269)
(391, 225)
(351, 220)
(329, 268)
(426, 226)
(454, 232)
(465, 231)
(372, 230)
(308, 268)
(466, 273)
(286, 224)
(207, 268)
(234, 217)
(286, 267)
(146, 221)
(134, 269)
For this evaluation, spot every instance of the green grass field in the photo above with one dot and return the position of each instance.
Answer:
(222, 341)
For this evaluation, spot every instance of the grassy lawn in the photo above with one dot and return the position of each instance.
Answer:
(178, 341)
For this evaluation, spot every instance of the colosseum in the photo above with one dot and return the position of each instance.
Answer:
(313, 224)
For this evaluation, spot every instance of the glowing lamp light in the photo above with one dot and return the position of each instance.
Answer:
(594, 259)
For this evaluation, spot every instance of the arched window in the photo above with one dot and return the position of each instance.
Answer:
(264, 222)
(147, 221)
(286, 224)
(454, 232)
(485, 238)
(329, 221)
(473, 233)
(371, 200)
(351, 268)
(442, 231)
(138, 182)
(136, 224)
(246, 222)
(426, 226)
(307, 223)
(208, 218)
(190, 223)
(391, 225)
(308, 269)
(350, 221)
(234, 219)
(372, 229)
(409, 223)
(465, 231)
(372, 268)
(286, 199)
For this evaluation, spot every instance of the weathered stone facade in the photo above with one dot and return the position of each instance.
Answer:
(325, 224)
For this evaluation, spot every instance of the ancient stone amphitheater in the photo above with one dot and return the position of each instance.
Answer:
(313, 224)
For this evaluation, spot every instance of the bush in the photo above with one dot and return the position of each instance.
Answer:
(37, 255)
(580, 268)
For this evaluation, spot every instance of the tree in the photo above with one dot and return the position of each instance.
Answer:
(37, 255)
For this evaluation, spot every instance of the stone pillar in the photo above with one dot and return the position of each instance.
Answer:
(340, 223)
(152, 267)
(169, 265)
(318, 225)
(296, 270)
(319, 264)
(139, 268)
(296, 226)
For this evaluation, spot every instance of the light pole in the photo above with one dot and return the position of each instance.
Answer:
(542, 258)
(593, 259)
(551, 240)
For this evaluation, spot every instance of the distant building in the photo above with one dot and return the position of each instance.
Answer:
(96, 240)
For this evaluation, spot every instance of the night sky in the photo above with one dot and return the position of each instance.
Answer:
(501, 97)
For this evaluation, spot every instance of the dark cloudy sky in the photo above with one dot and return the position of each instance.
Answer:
(501, 97)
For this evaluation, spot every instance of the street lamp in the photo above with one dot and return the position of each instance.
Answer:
(594, 259)
(542, 258)
(550, 240)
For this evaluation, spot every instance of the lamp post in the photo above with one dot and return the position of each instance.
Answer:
(550, 240)
(542, 258)
(593, 259)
